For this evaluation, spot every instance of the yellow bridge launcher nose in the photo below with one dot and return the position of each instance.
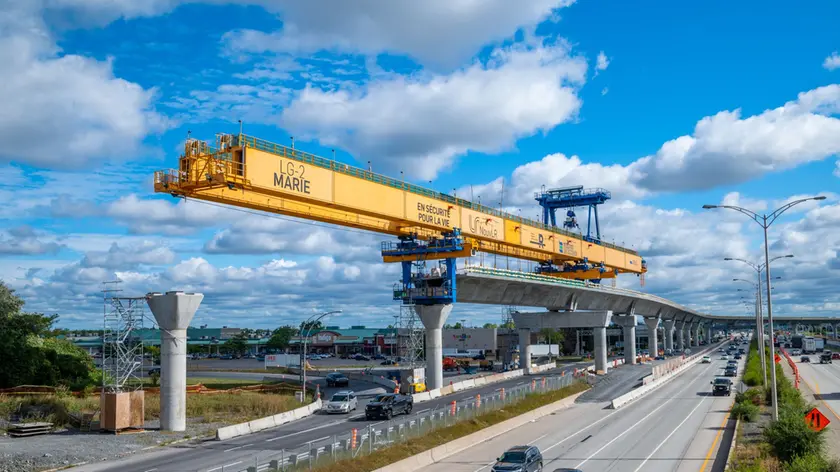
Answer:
(248, 172)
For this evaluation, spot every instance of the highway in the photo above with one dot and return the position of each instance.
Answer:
(677, 427)
(209, 454)
(821, 386)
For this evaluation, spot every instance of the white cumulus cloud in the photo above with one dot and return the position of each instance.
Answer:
(420, 124)
(832, 61)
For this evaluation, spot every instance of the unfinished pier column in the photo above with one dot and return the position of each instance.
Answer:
(173, 312)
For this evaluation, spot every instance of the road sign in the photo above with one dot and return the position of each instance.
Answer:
(816, 420)
(778, 359)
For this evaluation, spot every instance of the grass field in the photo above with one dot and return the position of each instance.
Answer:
(207, 408)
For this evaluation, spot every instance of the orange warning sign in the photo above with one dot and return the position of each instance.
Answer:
(816, 420)
(778, 359)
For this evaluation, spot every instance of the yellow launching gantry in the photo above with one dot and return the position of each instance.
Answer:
(248, 172)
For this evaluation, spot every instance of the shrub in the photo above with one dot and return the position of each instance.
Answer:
(809, 463)
(790, 436)
(753, 395)
(745, 410)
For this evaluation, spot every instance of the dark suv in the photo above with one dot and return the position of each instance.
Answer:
(337, 379)
(388, 405)
(721, 386)
(519, 459)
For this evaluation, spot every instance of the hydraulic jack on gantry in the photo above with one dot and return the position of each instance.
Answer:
(420, 286)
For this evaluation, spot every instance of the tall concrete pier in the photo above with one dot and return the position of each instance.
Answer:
(173, 312)
(433, 318)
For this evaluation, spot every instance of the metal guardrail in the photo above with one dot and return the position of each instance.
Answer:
(358, 442)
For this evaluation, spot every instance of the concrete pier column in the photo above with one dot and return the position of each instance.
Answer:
(691, 327)
(600, 335)
(628, 324)
(433, 318)
(173, 311)
(669, 334)
(629, 344)
(681, 336)
(697, 333)
(653, 335)
(525, 350)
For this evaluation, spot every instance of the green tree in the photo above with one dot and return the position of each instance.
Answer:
(490, 325)
(32, 355)
(552, 336)
(281, 337)
(507, 325)
(311, 326)
(237, 344)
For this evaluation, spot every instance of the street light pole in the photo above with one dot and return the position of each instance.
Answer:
(308, 324)
(765, 221)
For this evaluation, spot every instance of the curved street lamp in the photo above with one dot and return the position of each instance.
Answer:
(308, 324)
(759, 316)
(765, 221)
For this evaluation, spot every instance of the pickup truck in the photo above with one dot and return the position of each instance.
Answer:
(825, 358)
(721, 386)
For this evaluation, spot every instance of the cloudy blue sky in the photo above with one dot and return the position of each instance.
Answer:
(669, 106)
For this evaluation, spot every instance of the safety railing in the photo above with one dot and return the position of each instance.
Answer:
(335, 166)
(358, 442)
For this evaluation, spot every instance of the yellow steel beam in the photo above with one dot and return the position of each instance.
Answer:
(251, 173)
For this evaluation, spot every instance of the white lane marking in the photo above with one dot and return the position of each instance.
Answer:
(225, 466)
(634, 425)
(535, 440)
(150, 470)
(306, 431)
(319, 439)
(669, 436)
(238, 447)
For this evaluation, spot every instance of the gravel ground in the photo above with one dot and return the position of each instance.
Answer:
(66, 447)
(615, 383)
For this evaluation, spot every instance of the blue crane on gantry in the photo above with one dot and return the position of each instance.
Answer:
(570, 198)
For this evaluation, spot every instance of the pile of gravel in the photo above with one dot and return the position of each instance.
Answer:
(66, 447)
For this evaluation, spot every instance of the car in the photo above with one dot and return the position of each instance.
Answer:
(519, 459)
(721, 350)
(226, 357)
(388, 362)
(387, 405)
(361, 357)
(795, 352)
(344, 401)
(805, 359)
(566, 469)
(337, 379)
(738, 357)
(706, 360)
(378, 357)
(825, 358)
(835, 355)
(724, 357)
(742, 351)
(730, 371)
(721, 386)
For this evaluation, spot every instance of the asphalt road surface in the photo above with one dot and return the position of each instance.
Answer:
(677, 427)
(822, 388)
(208, 455)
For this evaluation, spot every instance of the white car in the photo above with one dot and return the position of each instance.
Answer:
(724, 357)
(706, 360)
(344, 401)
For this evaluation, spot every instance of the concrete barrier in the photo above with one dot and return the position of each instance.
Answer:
(254, 426)
(443, 451)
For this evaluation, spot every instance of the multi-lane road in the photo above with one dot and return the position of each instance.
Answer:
(677, 427)
(208, 455)
(822, 388)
